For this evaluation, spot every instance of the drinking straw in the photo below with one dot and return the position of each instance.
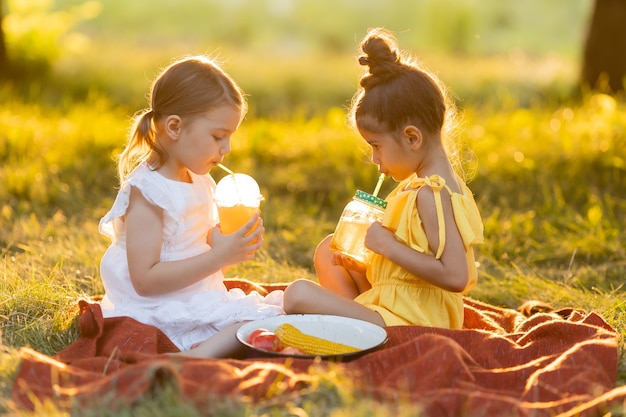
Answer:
(381, 178)
(226, 169)
(230, 172)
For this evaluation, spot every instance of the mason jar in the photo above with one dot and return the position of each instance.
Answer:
(349, 237)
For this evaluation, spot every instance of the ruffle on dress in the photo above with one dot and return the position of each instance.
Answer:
(152, 191)
(402, 206)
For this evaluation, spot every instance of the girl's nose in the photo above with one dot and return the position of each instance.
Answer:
(225, 149)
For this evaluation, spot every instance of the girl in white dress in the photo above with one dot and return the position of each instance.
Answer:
(164, 265)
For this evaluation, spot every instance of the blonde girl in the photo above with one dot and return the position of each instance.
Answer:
(164, 265)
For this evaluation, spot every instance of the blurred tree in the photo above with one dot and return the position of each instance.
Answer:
(33, 34)
(604, 57)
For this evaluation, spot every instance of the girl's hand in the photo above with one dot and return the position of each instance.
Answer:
(378, 238)
(347, 262)
(240, 245)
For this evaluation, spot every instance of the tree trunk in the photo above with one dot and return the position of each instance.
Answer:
(604, 58)
(4, 59)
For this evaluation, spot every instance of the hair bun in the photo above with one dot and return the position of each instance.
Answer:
(380, 55)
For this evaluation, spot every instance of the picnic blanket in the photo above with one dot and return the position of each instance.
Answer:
(502, 363)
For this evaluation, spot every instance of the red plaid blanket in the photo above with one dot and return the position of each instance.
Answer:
(560, 363)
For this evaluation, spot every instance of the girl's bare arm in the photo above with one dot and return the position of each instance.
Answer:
(150, 276)
(450, 271)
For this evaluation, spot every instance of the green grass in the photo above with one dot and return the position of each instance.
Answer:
(549, 182)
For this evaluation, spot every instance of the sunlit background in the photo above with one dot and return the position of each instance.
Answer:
(481, 48)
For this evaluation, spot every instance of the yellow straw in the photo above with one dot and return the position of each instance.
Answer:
(230, 172)
(381, 178)
(226, 169)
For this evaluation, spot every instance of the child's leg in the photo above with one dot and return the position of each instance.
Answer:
(223, 344)
(306, 297)
(336, 278)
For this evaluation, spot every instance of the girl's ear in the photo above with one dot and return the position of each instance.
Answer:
(173, 126)
(413, 136)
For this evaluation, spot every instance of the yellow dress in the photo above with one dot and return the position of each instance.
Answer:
(402, 298)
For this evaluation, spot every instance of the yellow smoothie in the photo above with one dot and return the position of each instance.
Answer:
(349, 239)
(232, 218)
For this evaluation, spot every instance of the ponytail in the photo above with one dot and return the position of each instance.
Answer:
(141, 144)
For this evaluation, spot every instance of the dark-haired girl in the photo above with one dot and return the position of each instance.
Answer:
(423, 250)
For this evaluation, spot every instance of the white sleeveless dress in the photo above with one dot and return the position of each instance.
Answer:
(193, 313)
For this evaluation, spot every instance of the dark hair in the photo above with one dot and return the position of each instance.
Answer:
(186, 88)
(396, 90)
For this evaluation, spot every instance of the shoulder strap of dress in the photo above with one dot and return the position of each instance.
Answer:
(436, 183)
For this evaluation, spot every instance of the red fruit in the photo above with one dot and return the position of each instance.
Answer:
(267, 341)
(255, 333)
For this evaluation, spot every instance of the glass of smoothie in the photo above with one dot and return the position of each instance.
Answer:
(238, 198)
(356, 219)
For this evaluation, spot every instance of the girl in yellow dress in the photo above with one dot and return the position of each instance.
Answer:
(423, 259)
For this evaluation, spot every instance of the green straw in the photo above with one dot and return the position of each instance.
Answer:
(379, 184)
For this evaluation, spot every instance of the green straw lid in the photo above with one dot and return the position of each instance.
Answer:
(372, 199)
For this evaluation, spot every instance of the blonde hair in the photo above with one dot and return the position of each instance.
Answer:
(187, 88)
(397, 90)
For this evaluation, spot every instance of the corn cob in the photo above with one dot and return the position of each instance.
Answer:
(289, 335)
